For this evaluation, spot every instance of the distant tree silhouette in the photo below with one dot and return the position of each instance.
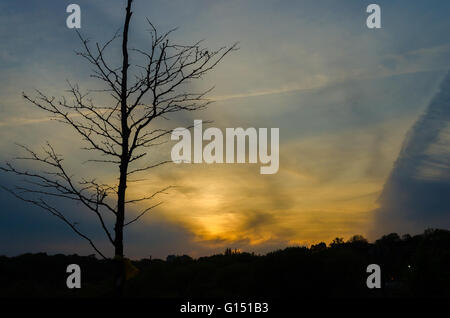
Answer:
(229, 251)
(337, 241)
(121, 132)
(417, 266)
(319, 247)
(357, 239)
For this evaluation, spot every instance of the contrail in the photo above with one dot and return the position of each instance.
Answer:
(416, 195)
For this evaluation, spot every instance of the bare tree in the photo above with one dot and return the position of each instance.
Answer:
(122, 132)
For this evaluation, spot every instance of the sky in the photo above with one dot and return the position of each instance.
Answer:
(363, 117)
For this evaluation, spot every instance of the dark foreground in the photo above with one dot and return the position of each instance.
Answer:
(411, 266)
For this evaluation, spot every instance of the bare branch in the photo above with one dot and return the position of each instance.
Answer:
(142, 213)
(44, 205)
(149, 197)
(60, 184)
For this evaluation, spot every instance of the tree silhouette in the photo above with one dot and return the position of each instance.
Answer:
(122, 132)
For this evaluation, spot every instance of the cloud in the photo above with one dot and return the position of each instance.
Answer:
(417, 192)
(335, 156)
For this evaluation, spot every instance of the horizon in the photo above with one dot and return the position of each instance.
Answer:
(355, 238)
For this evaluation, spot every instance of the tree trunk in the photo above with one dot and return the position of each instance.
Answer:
(118, 243)
(124, 160)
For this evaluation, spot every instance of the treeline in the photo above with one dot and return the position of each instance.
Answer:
(411, 266)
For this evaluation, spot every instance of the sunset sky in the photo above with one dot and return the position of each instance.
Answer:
(344, 97)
